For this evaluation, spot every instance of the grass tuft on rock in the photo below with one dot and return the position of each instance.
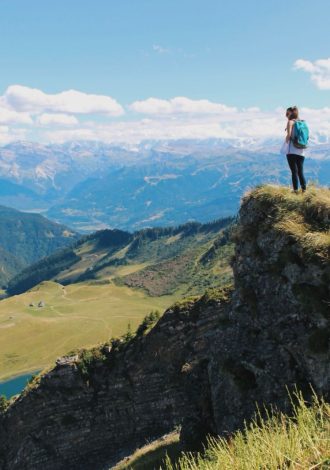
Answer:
(303, 217)
(152, 455)
(218, 294)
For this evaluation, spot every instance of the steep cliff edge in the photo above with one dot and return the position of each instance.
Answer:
(206, 363)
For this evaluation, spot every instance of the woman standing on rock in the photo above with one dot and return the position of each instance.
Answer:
(297, 136)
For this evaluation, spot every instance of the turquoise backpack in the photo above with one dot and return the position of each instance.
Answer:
(300, 134)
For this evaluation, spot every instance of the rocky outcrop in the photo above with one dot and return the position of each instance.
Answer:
(275, 333)
(205, 364)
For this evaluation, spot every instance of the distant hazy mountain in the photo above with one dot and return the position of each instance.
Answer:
(170, 189)
(90, 185)
(51, 170)
(17, 195)
(26, 238)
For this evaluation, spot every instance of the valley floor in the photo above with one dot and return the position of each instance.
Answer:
(77, 315)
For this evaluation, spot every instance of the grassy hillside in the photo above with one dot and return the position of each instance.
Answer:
(9, 266)
(26, 238)
(107, 280)
(79, 315)
(188, 257)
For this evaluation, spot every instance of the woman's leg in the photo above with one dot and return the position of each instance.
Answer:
(300, 167)
(294, 170)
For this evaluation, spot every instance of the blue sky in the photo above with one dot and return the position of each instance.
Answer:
(238, 53)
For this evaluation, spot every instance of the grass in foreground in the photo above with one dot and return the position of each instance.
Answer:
(152, 456)
(279, 442)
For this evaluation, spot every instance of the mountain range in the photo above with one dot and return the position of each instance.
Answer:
(161, 261)
(91, 185)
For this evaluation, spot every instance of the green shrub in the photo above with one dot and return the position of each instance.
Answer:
(87, 360)
(222, 293)
(148, 321)
(128, 336)
(3, 403)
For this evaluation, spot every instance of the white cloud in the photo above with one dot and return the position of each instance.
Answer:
(244, 124)
(179, 105)
(160, 49)
(25, 99)
(319, 71)
(64, 135)
(57, 119)
(8, 116)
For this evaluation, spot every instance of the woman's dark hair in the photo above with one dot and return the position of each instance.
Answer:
(293, 111)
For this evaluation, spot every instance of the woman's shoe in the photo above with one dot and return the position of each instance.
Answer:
(294, 191)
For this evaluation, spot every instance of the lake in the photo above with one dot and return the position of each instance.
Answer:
(15, 385)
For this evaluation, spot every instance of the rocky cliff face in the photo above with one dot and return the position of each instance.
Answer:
(205, 364)
(274, 334)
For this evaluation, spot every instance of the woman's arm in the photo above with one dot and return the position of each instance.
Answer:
(289, 130)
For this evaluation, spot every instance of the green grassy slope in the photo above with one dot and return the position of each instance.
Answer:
(9, 266)
(26, 238)
(107, 280)
(185, 250)
(75, 316)
(201, 265)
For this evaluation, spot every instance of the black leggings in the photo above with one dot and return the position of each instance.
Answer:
(296, 164)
